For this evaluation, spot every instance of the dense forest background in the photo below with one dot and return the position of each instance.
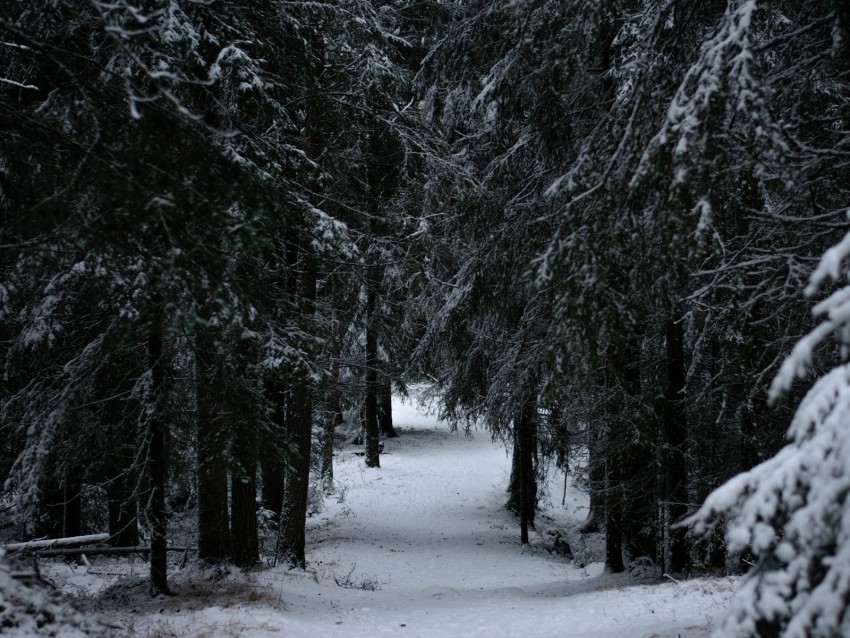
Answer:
(230, 227)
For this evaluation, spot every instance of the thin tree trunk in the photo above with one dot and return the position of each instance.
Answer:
(157, 461)
(328, 432)
(385, 409)
(613, 516)
(627, 497)
(596, 486)
(245, 545)
(271, 460)
(300, 433)
(373, 431)
(213, 533)
(73, 507)
(297, 477)
(527, 478)
(243, 531)
(675, 436)
(514, 483)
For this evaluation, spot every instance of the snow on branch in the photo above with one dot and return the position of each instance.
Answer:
(836, 308)
(793, 511)
(727, 55)
(31, 87)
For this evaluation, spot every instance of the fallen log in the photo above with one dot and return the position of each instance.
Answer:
(46, 543)
(96, 550)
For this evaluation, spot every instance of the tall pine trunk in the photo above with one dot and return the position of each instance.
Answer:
(297, 477)
(623, 379)
(613, 517)
(526, 442)
(73, 506)
(373, 432)
(272, 467)
(675, 438)
(385, 408)
(300, 434)
(596, 484)
(213, 533)
(514, 482)
(243, 531)
(331, 420)
(157, 461)
(245, 550)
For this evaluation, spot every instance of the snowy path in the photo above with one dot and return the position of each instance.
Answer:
(422, 547)
(431, 516)
(428, 529)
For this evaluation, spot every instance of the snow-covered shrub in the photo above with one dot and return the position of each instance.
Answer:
(793, 511)
(38, 611)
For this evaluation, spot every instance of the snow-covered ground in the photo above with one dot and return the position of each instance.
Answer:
(420, 547)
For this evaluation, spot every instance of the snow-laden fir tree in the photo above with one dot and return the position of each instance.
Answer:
(792, 512)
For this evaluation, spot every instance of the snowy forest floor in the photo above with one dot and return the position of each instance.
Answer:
(420, 547)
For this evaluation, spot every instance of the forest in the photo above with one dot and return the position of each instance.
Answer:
(613, 233)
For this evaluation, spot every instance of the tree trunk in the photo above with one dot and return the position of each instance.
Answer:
(243, 522)
(245, 545)
(328, 432)
(373, 431)
(300, 433)
(385, 409)
(297, 478)
(514, 483)
(73, 507)
(596, 486)
(300, 417)
(613, 516)
(622, 388)
(675, 438)
(527, 475)
(271, 458)
(213, 534)
(157, 461)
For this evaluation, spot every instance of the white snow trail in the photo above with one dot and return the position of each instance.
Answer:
(421, 547)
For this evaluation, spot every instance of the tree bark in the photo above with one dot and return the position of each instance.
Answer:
(157, 461)
(300, 433)
(245, 550)
(596, 486)
(514, 482)
(675, 438)
(73, 506)
(328, 431)
(613, 516)
(527, 476)
(271, 459)
(213, 534)
(373, 431)
(385, 409)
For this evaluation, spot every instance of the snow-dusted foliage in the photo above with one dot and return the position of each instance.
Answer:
(793, 511)
(32, 611)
